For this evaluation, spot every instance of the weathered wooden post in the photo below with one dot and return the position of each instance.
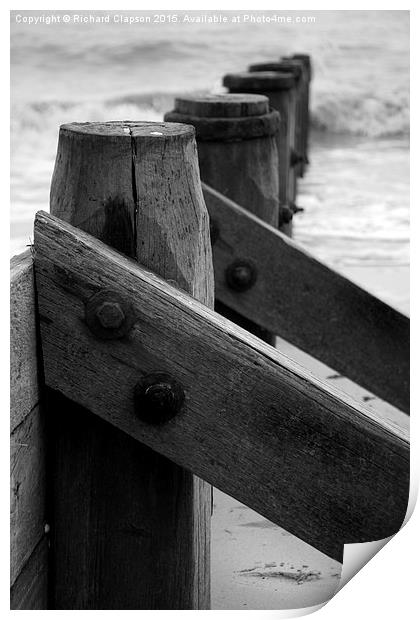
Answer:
(295, 67)
(130, 529)
(296, 156)
(306, 64)
(281, 93)
(237, 151)
(306, 61)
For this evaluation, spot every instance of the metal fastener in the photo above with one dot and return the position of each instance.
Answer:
(158, 397)
(109, 315)
(286, 215)
(241, 275)
(296, 158)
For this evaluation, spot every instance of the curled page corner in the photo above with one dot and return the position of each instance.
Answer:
(356, 556)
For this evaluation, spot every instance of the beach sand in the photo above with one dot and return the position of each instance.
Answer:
(258, 565)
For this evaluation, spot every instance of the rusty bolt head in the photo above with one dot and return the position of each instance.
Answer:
(296, 158)
(241, 275)
(158, 397)
(108, 315)
(286, 215)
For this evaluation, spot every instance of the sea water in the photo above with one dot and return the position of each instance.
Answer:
(100, 67)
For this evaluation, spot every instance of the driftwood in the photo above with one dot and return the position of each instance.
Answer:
(253, 423)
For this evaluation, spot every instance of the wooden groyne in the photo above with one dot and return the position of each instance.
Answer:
(131, 395)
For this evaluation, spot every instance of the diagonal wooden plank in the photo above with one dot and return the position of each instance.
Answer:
(309, 304)
(253, 423)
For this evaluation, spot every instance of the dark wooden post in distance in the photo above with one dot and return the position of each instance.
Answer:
(279, 88)
(305, 62)
(295, 68)
(130, 529)
(237, 151)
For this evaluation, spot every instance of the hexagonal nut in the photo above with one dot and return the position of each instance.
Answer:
(110, 315)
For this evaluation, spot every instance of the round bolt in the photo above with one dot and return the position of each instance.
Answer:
(109, 315)
(241, 275)
(158, 397)
(286, 215)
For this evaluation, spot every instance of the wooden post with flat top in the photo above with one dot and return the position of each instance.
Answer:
(281, 93)
(296, 157)
(305, 62)
(237, 151)
(130, 529)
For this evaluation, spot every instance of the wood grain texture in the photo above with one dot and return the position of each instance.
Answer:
(302, 112)
(306, 120)
(315, 308)
(24, 391)
(30, 590)
(297, 68)
(136, 186)
(28, 489)
(139, 537)
(254, 423)
(289, 114)
(230, 106)
(285, 104)
(27, 445)
(244, 170)
(280, 89)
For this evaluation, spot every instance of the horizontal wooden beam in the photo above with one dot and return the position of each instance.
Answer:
(309, 304)
(253, 423)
